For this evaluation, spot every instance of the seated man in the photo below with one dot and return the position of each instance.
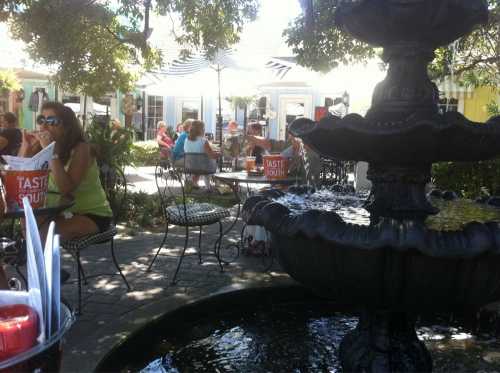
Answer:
(255, 129)
(10, 134)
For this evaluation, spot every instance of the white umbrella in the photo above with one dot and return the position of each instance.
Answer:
(199, 63)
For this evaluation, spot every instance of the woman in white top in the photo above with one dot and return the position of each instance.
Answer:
(197, 143)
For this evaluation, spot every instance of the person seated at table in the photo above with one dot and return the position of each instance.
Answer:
(197, 143)
(303, 162)
(10, 134)
(232, 127)
(164, 141)
(178, 131)
(252, 149)
(73, 171)
(232, 148)
(178, 150)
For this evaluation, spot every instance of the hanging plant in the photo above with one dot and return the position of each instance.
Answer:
(8, 82)
(241, 101)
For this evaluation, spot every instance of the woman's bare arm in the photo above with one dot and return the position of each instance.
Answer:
(68, 181)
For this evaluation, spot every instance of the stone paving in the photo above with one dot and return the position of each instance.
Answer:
(108, 308)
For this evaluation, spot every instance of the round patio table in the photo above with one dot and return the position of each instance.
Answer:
(234, 180)
(10, 246)
(243, 177)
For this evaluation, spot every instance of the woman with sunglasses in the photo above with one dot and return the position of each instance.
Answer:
(73, 171)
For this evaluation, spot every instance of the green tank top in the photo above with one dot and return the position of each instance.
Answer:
(90, 197)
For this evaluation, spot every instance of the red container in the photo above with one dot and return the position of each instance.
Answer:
(31, 184)
(42, 358)
(275, 166)
(18, 329)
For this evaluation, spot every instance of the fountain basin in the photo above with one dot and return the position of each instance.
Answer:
(387, 265)
(282, 329)
(447, 137)
(429, 22)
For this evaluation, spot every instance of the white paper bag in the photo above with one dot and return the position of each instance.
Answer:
(37, 283)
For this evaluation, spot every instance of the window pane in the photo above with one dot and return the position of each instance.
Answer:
(154, 115)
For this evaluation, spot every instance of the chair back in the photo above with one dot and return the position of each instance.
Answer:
(170, 183)
(115, 186)
(199, 164)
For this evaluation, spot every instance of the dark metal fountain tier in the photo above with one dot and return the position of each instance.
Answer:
(403, 133)
(396, 265)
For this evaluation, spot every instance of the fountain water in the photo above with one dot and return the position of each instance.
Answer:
(397, 265)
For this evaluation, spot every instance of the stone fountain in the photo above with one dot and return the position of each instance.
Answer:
(396, 266)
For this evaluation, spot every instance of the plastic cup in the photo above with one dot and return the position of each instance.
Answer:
(249, 164)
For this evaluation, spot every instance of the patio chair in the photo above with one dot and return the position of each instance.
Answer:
(178, 211)
(114, 184)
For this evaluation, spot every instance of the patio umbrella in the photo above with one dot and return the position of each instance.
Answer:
(223, 59)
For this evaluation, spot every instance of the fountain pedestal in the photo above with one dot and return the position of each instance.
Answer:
(384, 342)
(398, 191)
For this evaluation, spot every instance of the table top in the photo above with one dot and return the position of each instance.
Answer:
(54, 204)
(243, 177)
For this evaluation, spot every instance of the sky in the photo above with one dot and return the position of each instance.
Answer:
(259, 39)
(262, 37)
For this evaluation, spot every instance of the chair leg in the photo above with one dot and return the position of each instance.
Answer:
(112, 244)
(199, 244)
(159, 249)
(82, 272)
(79, 282)
(218, 246)
(174, 279)
(18, 270)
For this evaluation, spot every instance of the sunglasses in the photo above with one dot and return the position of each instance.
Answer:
(48, 121)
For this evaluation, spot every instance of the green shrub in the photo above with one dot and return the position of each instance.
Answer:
(111, 145)
(471, 179)
(142, 209)
(145, 153)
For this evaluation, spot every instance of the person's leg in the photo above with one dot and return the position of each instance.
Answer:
(74, 227)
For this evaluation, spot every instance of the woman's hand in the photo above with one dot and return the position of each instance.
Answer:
(30, 145)
(44, 138)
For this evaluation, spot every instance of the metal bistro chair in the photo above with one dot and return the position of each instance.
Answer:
(179, 211)
(115, 186)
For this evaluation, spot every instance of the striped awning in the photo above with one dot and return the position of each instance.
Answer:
(195, 63)
(280, 65)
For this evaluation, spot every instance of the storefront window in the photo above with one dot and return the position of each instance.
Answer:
(154, 115)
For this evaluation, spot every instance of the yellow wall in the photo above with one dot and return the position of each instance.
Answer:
(475, 106)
